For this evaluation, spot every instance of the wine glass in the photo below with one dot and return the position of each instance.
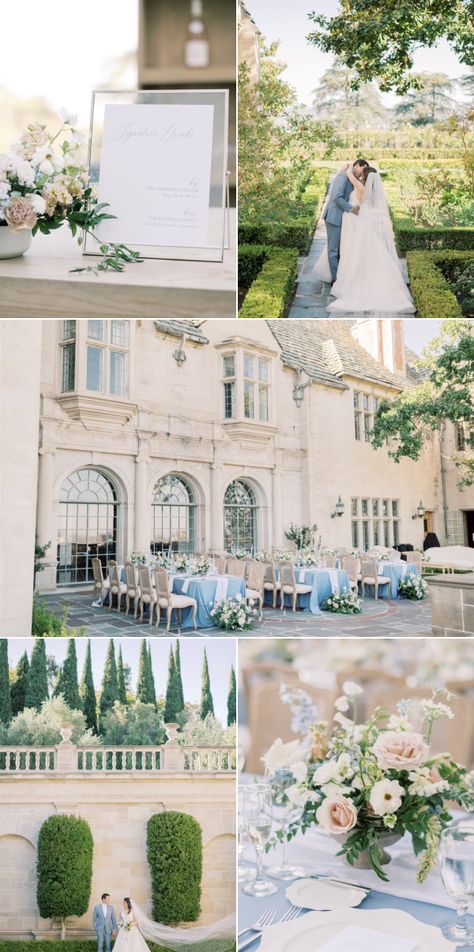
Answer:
(456, 858)
(243, 872)
(257, 814)
(285, 812)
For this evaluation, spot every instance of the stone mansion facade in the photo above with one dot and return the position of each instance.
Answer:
(210, 436)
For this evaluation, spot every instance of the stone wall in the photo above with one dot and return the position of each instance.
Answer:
(452, 604)
(117, 810)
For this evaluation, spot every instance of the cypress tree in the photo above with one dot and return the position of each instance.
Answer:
(67, 682)
(207, 704)
(232, 699)
(144, 686)
(87, 692)
(109, 692)
(5, 696)
(121, 686)
(179, 680)
(171, 711)
(19, 684)
(152, 678)
(37, 687)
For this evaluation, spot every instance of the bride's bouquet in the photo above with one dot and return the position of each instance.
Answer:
(373, 782)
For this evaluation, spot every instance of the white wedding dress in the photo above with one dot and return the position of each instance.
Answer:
(135, 927)
(369, 277)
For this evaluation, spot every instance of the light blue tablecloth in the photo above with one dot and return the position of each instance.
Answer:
(250, 909)
(320, 581)
(394, 571)
(204, 591)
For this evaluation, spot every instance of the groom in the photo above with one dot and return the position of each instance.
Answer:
(337, 204)
(104, 923)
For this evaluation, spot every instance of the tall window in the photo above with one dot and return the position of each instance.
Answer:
(463, 439)
(252, 372)
(106, 354)
(68, 356)
(365, 406)
(173, 516)
(375, 522)
(240, 517)
(88, 513)
(229, 385)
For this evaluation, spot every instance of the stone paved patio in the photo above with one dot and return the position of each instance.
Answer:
(382, 618)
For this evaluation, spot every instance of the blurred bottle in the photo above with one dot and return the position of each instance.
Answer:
(196, 51)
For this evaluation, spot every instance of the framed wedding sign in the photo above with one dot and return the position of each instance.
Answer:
(159, 159)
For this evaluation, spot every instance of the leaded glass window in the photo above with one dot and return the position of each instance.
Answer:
(173, 516)
(240, 517)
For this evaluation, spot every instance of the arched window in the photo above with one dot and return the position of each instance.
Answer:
(240, 517)
(173, 516)
(88, 515)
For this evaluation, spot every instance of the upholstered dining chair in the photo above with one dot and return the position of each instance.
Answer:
(147, 591)
(329, 561)
(236, 567)
(289, 585)
(254, 590)
(117, 587)
(351, 565)
(133, 588)
(369, 576)
(220, 562)
(101, 585)
(271, 583)
(169, 600)
(414, 558)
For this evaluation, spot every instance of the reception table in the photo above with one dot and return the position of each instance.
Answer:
(315, 851)
(324, 582)
(395, 571)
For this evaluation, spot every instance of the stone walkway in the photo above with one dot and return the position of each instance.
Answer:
(312, 295)
(382, 618)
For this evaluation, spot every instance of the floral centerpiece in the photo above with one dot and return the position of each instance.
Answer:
(159, 560)
(179, 563)
(234, 614)
(241, 554)
(345, 602)
(203, 565)
(44, 183)
(303, 536)
(413, 586)
(369, 784)
(138, 558)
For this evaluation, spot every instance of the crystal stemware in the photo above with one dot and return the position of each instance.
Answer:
(285, 812)
(456, 858)
(257, 815)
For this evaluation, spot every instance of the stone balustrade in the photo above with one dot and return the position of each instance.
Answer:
(104, 759)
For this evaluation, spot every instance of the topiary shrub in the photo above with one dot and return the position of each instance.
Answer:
(431, 292)
(174, 854)
(64, 868)
(274, 282)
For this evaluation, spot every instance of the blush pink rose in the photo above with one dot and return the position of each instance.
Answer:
(337, 814)
(400, 750)
(20, 214)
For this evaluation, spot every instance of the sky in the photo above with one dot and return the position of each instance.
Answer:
(419, 333)
(220, 656)
(278, 19)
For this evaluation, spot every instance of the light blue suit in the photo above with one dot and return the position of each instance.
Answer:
(104, 926)
(338, 203)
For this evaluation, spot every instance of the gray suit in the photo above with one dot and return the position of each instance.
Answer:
(337, 204)
(104, 926)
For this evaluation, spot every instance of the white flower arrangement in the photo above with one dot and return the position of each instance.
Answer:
(345, 602)
(413, 586)
(138, 558)
(234, 614)
(241, 554)
(364, 781)
(203, 566)
(179, 563)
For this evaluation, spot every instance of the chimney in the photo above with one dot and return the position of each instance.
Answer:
(383, 340)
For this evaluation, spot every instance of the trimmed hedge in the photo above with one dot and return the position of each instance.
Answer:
(296, 231)
(174, 853)
(409, 236)
(431, 292)
(270, 275)
(64, 867)
(90, 945)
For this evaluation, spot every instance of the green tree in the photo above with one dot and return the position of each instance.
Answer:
(67, 683)
(19, 684)
(378, 40)
(109, 693)
(335, 99)
(122, 688)
(430, 102)
(179, 679)
(175, 886)
(87, 692)
(5, 696)
(152, 678)
(172, 708)
(145, 683)
(444, 393)
(232, 699)
(37, 687)
(207, 704)
(64, 868)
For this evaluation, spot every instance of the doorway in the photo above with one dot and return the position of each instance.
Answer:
(428, 522)
(469, 522)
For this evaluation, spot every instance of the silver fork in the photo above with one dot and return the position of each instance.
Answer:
(266, 919)
(292, 913)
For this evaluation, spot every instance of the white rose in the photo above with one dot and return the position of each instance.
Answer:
(281, 755)
(326, 773)
(400, 750)
(352, 689)
(296, 795)
(299, 771)
(38, 204)
(386, 797)
(330, 789)
(341, 704)
(337, 815)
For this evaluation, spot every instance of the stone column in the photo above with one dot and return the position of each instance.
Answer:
(276, 528)
(141, 538)
(216, 506)
(45, 528)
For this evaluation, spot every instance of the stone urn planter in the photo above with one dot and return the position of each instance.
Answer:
(171, 732)
(13, 244)
(363, 860)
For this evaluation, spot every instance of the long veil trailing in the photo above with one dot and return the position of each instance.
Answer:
(374, 205)
(178, 939)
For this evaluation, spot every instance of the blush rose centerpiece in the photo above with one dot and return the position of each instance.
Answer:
(368, 784)
(44, 184)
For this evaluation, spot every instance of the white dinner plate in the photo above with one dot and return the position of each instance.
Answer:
(322, 894)
(310, 932)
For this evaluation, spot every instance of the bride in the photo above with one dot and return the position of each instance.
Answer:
(369, 277)
(134, 927)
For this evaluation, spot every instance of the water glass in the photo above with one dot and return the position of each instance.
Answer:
(257, 816)
(456, 859)
(285, 812)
